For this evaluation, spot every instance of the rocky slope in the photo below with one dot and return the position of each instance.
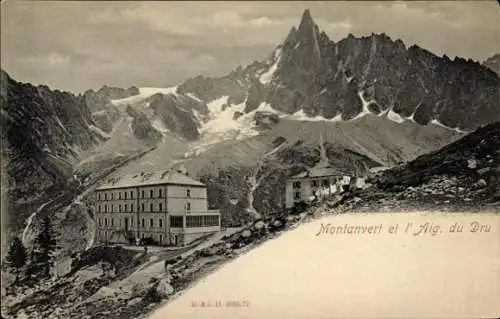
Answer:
(375, 74)
(53, 146)
(42, 133)
(370, 96)
(493, 63)
(97, 100)
(311, 76)
(473, 162)
(462, 176)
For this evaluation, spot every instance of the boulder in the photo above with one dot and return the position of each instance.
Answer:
(246, 233)
(164, 289)
(277, 223)
(481, 183)
(134, 301)
(471, 163)
(237, 115)
(483, 170)
(259, 225)
(266, 120)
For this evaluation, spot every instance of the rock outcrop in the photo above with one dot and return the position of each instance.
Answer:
(358, 75)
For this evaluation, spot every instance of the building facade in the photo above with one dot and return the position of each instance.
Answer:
(318, 183)
(168, 207)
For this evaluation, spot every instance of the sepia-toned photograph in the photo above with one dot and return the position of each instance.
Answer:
(250, 159)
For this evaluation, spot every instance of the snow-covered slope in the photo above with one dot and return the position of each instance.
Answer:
(144, 93)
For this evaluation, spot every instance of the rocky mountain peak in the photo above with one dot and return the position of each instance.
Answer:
(306, 21)
(308, 33)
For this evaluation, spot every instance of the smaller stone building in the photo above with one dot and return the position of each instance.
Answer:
(319, 183)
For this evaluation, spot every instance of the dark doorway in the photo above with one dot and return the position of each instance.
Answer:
(126, 224)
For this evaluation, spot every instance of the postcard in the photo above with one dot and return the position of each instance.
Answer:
(258, 160)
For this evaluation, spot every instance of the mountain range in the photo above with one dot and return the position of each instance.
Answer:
(371, 101)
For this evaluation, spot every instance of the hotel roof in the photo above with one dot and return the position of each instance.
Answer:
(320, 172)
(151, 178)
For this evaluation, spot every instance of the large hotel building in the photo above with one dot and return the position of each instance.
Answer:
(168, 206)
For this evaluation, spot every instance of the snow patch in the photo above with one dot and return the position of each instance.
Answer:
(144, 93)
(265, 107)
(391, 115)
(199, 117)
(215, 106)
(61, 125)
(222, 127)
(301, 116)
(411, 118)
(159, 125)
(46, 149)
(395, 117)
(101, 112)
(99, 131)
(267, 76)
(364, 110)
(456, 129)
(191, 95)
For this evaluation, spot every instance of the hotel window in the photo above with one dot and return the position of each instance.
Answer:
(151, 194)
(297, 195)
(160, 221)
(99, 196)
(314, 183)
(176, 221)
(142, 207)
(142, 223)
(119, 195)
(151, 207)
(125, 195)
(105, 208)
(160, 207)
(100, 222)
(120, 208)
(142, 193)
(188, 206)
(131, 194)
(111, 207)
(194, 221)
(325, 182)
(151, 223)
(111, 196)
(105, 222)
(105, 196)
(188, 193)
(210, 220)
(112, 221)
(159, 193)
(125, 207)
(296, 184)
(161, 239)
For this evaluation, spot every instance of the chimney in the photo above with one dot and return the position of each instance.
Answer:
(181, 169)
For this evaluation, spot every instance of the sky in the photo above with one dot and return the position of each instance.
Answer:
(84, 45)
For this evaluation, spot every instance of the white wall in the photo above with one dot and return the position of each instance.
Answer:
(177, 199)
